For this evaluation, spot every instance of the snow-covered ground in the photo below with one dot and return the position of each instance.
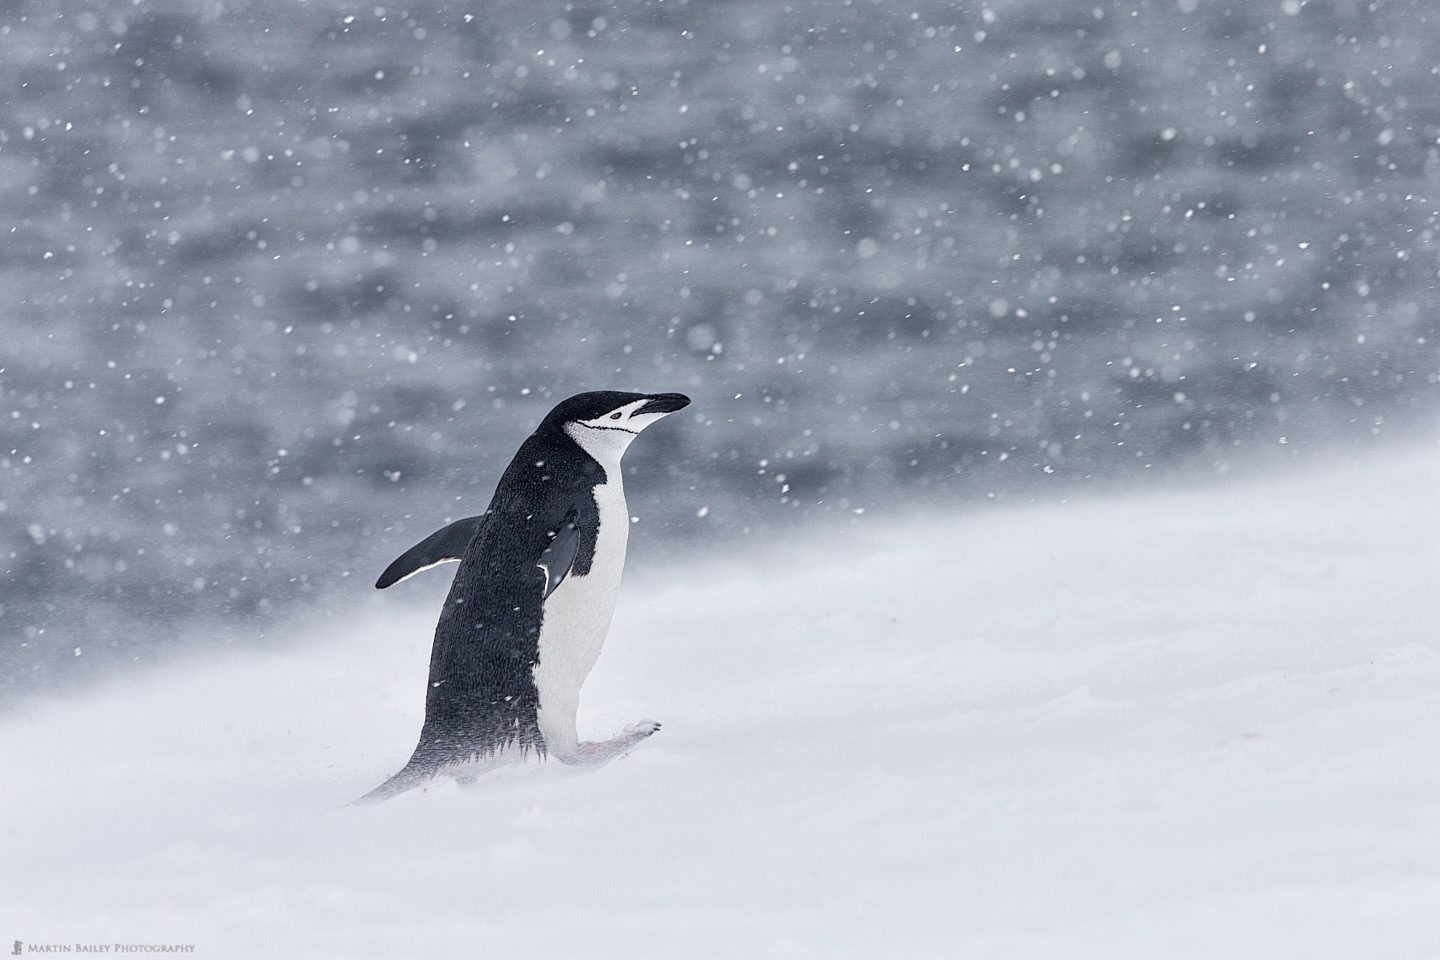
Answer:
(1202, 723)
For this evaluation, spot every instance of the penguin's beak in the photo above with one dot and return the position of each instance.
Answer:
(665, 403)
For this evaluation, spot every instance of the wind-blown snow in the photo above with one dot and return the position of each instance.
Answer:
(1195, 724)
(287, 282)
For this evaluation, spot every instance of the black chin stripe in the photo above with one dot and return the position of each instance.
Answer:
(591, 426)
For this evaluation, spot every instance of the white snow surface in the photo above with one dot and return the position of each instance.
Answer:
(1199, 723)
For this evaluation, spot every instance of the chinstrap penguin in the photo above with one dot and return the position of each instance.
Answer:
(532, 600)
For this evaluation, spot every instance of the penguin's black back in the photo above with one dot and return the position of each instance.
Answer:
(482, 695)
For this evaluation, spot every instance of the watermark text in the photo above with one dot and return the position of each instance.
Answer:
(22, 948)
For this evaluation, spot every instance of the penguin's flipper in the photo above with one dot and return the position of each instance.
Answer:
(442, 546)
(557, 559)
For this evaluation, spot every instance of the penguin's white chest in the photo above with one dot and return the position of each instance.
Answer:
(576, 618)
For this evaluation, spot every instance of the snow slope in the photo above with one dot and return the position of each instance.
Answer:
(1193, 724)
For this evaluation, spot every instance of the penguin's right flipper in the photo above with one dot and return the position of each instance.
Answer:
(442, 546)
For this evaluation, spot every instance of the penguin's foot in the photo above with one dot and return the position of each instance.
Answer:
(603, 751)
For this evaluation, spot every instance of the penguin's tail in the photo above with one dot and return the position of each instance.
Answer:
(412, 775)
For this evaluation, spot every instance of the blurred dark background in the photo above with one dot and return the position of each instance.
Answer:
(287, 282)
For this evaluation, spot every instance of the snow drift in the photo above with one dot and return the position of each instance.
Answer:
(1191, 724)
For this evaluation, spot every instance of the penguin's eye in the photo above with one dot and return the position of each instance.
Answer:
(615, 415)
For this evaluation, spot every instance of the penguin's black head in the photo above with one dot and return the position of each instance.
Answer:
(605, 421)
